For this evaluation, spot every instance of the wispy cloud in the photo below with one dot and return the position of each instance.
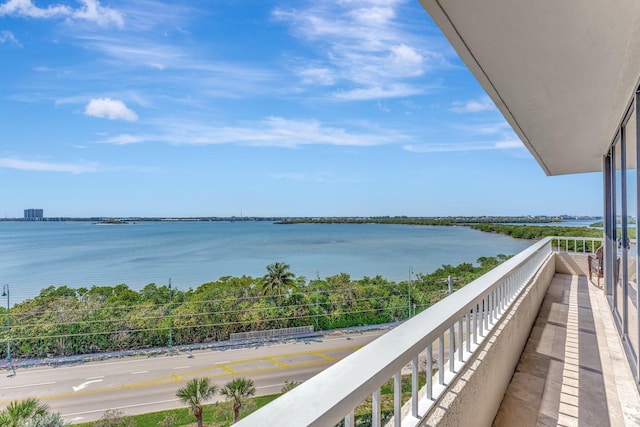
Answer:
(8, 37)
(464, 146)
(90, 10)
(111, 109)
(27, 165)
(379, 92)
(362, 44)
(269, 132)
(473, 105)
(175, 66)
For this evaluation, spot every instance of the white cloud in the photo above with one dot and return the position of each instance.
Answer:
(365, 46)
(391, 91)
(465, 146)
(317, 75)
(269, 132)
(473, 106)
(8, 37)
(514, 143)
(406, 60)
(124, 139)
(10, 163)
(94, 12)
(111, 109)
(91, 11)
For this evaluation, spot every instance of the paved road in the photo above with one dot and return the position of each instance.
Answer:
(146, 384)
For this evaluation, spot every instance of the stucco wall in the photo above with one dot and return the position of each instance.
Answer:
(575, 264)
(475, 395)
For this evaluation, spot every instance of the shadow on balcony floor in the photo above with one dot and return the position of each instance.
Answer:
(573, 370)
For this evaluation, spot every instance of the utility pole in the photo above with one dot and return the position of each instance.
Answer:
(5, 293)
(410, 273)
(317, 304)
(170, 315)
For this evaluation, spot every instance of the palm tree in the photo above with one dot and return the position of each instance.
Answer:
(20, 411)
(278, 277)
(194, 393)
(238, 390)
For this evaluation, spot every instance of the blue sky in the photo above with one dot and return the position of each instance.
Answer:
(254, 107)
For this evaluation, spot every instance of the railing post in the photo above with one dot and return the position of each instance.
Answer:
(441, 359)
(460, 341)
(349, 420)
(397, 399)
(414, 387)
(468, 330)
(485, 315)
(452, 348)
(475, 324)
(375, 408)
(429, 370)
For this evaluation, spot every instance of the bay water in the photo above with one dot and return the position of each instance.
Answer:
(35, 255)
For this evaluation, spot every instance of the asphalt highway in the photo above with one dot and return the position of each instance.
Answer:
(134, 385)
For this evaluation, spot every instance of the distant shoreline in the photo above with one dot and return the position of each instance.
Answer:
(435, 220)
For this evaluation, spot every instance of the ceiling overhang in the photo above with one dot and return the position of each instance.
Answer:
(561, 72)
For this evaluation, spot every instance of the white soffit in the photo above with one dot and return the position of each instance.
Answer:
(562, 72)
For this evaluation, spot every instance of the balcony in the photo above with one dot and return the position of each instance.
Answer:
(532, 342)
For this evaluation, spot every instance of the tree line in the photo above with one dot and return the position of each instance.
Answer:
(67, 321)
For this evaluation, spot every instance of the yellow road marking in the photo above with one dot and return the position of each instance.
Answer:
(277, 362)
(322, 356)
(231, 371)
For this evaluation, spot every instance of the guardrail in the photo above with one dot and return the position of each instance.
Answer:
(464, 319)
(270, 333)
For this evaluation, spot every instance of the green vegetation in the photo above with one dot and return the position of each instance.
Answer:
(195, 393)
(238, 391)
(406, 220)
(536, 231)
(278, 277)
(29, 412)
(66, 321)
(215, 414)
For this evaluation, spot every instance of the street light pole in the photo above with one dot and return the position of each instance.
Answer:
(5, 293)
(170, 315)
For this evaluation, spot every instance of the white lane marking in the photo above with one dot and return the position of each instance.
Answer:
(181, 367)
(95, 378)
(77, 419)
(139, 372)
(223, 362)
(26, 385)
(84, 385)
(87, 365)
(272, 385)
(121, 407)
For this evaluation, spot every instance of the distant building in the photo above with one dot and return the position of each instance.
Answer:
(33, 214)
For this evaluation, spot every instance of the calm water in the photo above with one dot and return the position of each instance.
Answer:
(39, 254)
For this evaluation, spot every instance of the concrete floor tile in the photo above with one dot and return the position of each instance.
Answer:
(515, 412)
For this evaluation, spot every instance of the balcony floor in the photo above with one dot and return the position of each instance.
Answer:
(573, 371)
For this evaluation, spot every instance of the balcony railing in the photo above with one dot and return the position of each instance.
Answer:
(446, 336)
(575, 244)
